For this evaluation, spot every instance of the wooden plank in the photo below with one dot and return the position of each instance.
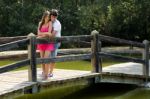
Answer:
(32, 57)
(75, 78)
(64, 58)
(17, 82)
(122, 78)
(120, 41)
(17, 90)
(125, 68)
(64, 39)
(4, 40)
(112, 50)
(15, 44)
(146, 58)
(120, 58)
(74, 51)
(7, 86)
(14, 78)
(13, 66)
(95, 48)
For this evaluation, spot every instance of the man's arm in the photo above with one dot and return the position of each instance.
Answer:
(54, 33)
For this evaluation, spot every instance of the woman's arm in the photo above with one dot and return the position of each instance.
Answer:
(39, 34)
(38, 30)
(44, 34)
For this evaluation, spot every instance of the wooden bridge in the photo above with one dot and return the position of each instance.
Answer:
(134, 71)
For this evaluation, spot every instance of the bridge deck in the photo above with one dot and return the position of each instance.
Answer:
(18, 80)
(125, 68)
(12, 81)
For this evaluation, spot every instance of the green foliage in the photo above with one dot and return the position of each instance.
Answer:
(128, 19)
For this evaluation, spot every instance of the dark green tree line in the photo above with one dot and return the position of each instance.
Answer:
(128, 19)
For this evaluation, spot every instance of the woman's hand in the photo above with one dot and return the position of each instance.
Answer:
(41, 34)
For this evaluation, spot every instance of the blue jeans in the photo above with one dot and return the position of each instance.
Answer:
(55, 51)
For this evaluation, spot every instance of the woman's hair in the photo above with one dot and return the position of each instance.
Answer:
(46, 13)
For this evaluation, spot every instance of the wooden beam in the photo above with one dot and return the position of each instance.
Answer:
(32, 70)
(64, 58)
(4, 40)
(15, 44)
(146, 58)
(121, 58)
(120, 41)
(64, 39)
(95, 48)
(14, 66)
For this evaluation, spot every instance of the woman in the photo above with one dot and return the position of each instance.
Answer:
(44, 30)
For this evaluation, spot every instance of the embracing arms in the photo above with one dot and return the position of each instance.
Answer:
(45, 34)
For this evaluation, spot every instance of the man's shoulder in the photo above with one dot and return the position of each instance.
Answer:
(57, 22)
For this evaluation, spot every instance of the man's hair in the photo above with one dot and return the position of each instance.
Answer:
(54, 12)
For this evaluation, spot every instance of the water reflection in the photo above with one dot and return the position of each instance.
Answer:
(102, 91)
(139, 93)
(96, 91)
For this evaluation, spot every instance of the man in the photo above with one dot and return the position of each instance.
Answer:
(56, 26)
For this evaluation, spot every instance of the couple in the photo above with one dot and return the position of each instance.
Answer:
(50, 27)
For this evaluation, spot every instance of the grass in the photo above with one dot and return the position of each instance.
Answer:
(5, 62)
(76, 65)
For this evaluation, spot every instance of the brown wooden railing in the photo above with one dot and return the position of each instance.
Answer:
(95, 55)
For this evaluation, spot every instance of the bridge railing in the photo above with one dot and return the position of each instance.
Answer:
(144, 45)
(9, 46)
(95, 54)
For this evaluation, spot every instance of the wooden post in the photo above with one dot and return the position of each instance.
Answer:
(146, 58)
(95, 47)
(32, 72)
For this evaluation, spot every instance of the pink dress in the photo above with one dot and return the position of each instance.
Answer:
(45, 47)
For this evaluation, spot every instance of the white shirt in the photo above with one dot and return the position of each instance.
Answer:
(57, 27)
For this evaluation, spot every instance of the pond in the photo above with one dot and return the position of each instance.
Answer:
(96, 91)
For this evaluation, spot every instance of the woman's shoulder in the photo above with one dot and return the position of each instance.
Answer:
(50, 22)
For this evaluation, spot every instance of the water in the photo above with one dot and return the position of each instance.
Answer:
(97, 91)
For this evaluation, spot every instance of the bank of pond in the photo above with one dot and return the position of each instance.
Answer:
(96, 91)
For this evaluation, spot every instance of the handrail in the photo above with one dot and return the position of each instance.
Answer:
(14, 66)
(64, 58)
(65, 39)
(8, 46)
(15, 44)
(121, 58)
(120, 41)
(4, 40)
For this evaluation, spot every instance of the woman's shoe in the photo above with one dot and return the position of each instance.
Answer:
(50, 75)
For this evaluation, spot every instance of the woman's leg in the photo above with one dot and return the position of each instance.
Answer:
(43, 65)
(47, 53)
(52, 64)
